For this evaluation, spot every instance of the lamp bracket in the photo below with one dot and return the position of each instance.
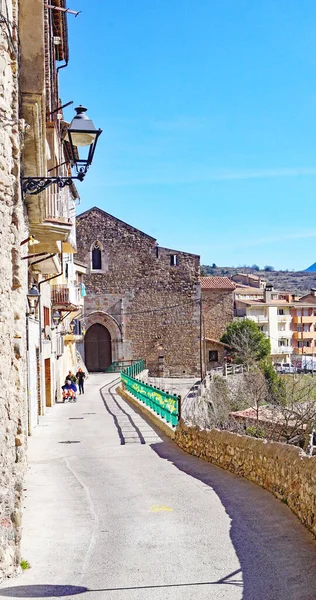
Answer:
(35, 185)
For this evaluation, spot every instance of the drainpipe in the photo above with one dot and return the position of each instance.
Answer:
(40, 305)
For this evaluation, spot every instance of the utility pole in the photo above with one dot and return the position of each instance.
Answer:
(201, 342)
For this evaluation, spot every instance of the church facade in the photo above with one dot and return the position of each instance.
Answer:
(142, 301)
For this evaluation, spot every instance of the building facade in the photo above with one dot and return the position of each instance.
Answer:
(273, 315)
(304, 325)
(142, 301)
(218, 311)
(37, 242)
(13, 285)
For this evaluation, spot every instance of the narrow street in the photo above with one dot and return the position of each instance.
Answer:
(114, 510)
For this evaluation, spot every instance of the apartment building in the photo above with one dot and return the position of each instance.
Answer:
(304, 325)
(273, 315)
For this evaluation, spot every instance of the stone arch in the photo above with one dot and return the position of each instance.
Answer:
(112, 325)
(107, 320)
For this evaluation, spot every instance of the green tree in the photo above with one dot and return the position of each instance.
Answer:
(255, 267)
(269, 268)
(203, 271)
(275, 382)
(247, 342)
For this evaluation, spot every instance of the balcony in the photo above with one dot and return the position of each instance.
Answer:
(65, 297)
(287, 334)
(306, 319)
(308, 351)
(284, 350)
(304, 335)
(258, 318)
(284, 318)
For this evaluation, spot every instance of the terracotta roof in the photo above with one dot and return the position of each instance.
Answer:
(216, 283)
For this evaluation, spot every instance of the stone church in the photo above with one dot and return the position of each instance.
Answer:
(142, 301)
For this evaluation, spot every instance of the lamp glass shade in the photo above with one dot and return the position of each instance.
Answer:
(33, 298)
(82, 131)
(56, 317)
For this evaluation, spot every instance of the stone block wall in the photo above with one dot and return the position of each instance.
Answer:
(218, 311)
(282, 469)
(155, 303)
(13, 288)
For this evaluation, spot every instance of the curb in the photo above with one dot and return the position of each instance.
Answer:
(150, 416)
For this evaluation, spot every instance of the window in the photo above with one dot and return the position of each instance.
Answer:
(96, 258)
(280, 311)
(300, 344)
(173, 260)
(307, 344)
(213, 356)
(77, 327)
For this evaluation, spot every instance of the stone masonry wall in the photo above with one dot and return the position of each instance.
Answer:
(218, 311)
(281, 469)
(13, 287)
(155, 304)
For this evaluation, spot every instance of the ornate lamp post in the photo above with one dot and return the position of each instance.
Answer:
(80, 134)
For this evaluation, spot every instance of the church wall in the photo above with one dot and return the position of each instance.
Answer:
(155, 304)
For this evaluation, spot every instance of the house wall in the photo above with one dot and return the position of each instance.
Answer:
(152, 307)
(13, 287)
(218, 311)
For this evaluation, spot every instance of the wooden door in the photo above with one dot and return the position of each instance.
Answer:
(98, 354)
(48, 388)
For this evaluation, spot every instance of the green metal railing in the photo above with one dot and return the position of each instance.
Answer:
(118, 365)
(162, 403)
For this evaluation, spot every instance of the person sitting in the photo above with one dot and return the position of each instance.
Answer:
(69, 390)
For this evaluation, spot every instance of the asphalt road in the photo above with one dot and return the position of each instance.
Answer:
(114, 511)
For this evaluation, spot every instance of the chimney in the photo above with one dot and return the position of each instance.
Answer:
(313, 291)
(268, 292)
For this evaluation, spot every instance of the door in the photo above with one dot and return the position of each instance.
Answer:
(98, 354)
(48, 387)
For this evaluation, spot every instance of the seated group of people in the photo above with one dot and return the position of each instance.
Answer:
(70, 386)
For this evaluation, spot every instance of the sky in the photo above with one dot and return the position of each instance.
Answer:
(208, 112)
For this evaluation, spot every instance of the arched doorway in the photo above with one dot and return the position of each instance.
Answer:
(98, 352)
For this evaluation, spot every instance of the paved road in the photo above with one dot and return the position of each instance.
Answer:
(115, 512)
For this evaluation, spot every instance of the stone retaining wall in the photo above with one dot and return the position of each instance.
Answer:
(284, 470)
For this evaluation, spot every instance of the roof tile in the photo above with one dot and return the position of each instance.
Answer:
(217, 283)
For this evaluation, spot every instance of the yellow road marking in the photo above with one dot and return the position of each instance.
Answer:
(160, 507)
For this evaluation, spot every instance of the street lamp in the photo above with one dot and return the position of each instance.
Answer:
(56, 318)
(80, 134)
(33, 297)
(72, 326)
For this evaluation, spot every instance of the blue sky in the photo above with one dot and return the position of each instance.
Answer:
(208, 111)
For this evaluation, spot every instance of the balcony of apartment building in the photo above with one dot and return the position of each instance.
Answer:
(309, 318)
(304, 346)
(285, 349)
(66, 297)
(304, 335)
(284, 316)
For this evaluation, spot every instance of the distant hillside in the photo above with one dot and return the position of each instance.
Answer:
(290, 281)
(312, 268)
